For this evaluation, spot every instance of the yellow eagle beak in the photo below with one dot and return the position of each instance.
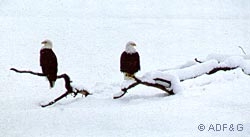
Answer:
(133, 44)
(44, 42)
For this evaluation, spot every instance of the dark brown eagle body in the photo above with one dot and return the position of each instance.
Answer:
(130, 62)
(48, 62)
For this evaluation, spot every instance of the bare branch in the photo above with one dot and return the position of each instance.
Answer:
(197, 60)
(57, 99)
(214, 70)
(25, 71)
(70, 89)
(156, 85)
(242, 50)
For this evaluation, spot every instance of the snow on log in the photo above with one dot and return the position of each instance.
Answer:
(149, 79)
(195, 70)
(223, 57)
(231, 61)
(169, 80)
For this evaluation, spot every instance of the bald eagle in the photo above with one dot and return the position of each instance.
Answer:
(130, 61)
(48, 62)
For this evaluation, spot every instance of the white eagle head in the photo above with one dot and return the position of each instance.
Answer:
(47, 44)
(130, 47)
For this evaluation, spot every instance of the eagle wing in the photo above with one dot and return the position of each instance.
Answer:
(130, 63)
(48, 62)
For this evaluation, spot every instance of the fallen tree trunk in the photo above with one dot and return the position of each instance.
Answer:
(158, 79)
(69, 88)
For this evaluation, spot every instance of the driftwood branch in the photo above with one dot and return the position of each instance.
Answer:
(164, 88)
(242, 50)
(27, 71)
(214, 70)
(156, 85)
(210, 72)
(57, 99)
(221, 68)
(167, 88)
(69, 88)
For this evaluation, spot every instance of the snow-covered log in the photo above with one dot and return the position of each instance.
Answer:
(69, 88)
(164, 81)
(169, 80)
(156, 82)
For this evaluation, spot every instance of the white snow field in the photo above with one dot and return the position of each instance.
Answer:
(88, 38)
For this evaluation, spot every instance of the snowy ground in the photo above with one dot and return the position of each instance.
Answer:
(89, 37)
